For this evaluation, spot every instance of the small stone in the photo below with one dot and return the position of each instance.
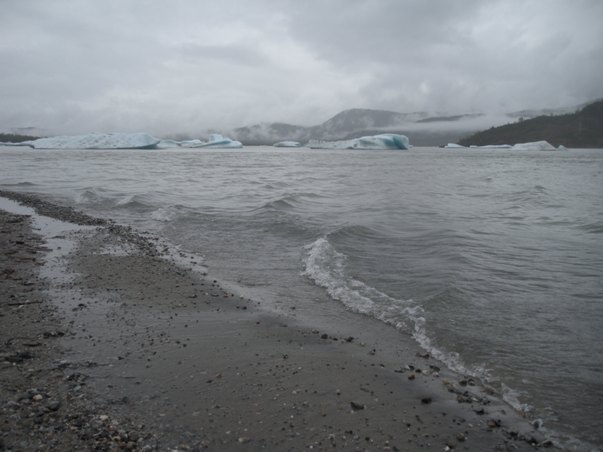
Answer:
(494, 423)
(324, 336)
(103, 417)
(357, 406)
(37, 397)
(53, 405)
(426, 400)
(411, 377)
(243, 440)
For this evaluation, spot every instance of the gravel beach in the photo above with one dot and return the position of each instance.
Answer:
(109, 345)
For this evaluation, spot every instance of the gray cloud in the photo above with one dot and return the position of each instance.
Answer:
(185, 66)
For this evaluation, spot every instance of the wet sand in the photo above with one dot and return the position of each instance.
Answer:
(113, 346)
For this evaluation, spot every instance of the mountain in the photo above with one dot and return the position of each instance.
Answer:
(582, 129)
(422, 129)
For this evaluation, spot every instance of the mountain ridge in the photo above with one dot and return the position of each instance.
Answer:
(581, 129)
(422, 128)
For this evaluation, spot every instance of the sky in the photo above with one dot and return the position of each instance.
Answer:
(186, 66)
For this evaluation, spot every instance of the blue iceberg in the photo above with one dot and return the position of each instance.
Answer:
(215, 141)
(96, 141)
(382, 141)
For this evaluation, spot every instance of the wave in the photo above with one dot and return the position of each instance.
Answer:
(103, 198)
(20, 184)
(287, 202)
(592, 228)
(134, 202)
(166, 214)
(327, 268)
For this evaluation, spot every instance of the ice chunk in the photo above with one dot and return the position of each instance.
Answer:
(453, 146)
(382, 141)
(492, 146)
(163, 144)
(534, 146)
(562, 148)
(96, 141)
(191, 143)
(215, 141)
(287, 144)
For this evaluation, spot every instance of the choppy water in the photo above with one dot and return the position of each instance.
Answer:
(493, 260)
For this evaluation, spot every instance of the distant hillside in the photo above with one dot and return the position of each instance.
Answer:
(15, 138)
(422, 129)
(583, 129)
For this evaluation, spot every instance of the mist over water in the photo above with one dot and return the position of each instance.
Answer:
(491, 259)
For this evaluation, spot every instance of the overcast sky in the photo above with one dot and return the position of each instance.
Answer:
(74, 66)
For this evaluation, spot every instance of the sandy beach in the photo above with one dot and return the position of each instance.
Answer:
(113, 346)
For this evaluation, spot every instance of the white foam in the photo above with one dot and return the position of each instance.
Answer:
(163, 214)
(57, 234)
(326, 267)
(511, 396)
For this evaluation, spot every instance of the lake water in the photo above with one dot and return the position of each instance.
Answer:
(491, 259)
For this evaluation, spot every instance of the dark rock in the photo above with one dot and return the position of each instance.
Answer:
(494, 423)
(357, 406)
(426, 400)
(53, 405)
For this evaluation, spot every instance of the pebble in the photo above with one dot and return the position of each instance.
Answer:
(357, 406)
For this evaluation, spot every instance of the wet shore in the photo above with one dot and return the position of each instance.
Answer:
(112, 346)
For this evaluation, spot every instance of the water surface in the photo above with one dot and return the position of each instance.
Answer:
(491, 259)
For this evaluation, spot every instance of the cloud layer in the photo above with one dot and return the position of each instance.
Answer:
(186, 66)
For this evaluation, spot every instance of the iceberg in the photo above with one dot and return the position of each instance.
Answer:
(96, 141)
(534, 146)
(492, 146)
(168, 144)
(215, 141)
(382, 141)
(562, 148)
(454, 146)
(287, 144)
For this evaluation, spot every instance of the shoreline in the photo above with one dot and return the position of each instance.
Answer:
(169, 359)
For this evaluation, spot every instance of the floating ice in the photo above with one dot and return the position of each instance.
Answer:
(534, 146)
(215, 141)
(453, 146)
(163, 144)
(287, 144)
(382, 141)
(492, 146)
(96, 141)
(562, 148)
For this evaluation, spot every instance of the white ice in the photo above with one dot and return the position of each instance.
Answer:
(96, 141)
(382, 141)
(287, 144)
(493, 146)
(534, 146)
(453, 146)
(215, 141)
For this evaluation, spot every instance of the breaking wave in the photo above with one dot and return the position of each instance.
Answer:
(327, 268)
